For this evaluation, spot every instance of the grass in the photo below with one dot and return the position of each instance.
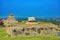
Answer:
(58, 29)
(3, 36)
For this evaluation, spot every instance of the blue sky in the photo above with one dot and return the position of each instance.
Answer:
(27, 8)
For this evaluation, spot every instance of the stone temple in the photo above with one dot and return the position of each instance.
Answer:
(31, 27)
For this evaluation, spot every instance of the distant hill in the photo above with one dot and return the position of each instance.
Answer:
(52, 20)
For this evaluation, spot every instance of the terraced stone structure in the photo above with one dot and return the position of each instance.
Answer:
(31, 27)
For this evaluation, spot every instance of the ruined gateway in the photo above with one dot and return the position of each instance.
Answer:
(30, 27)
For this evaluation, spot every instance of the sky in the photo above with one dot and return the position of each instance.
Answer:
(28, 8)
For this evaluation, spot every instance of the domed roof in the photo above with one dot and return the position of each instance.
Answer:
(31, 19)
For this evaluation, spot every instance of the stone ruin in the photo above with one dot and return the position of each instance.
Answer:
(31, 20)
(31, 27)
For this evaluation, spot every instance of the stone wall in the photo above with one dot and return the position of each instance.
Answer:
(14, 31)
